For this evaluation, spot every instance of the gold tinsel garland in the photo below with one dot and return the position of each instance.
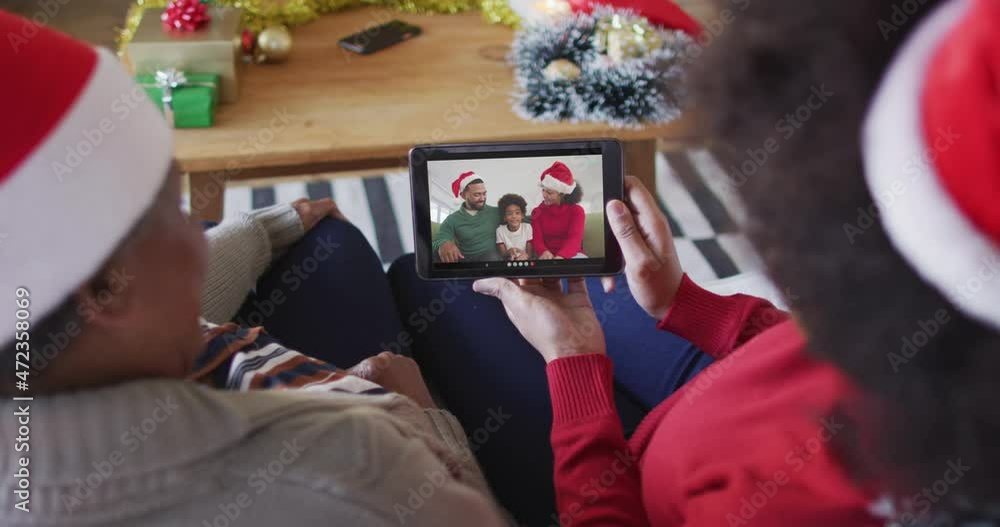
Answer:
(259, 14)
(499, 12)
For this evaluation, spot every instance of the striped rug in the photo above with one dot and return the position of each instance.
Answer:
(692, 188)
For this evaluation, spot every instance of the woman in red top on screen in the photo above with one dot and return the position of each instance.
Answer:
(558, 222)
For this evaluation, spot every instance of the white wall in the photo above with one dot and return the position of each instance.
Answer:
(519, 175)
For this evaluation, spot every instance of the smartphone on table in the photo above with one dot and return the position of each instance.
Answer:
(379, 37)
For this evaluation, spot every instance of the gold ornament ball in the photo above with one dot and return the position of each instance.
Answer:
(274, 44)
(622, 37)
(561, 70)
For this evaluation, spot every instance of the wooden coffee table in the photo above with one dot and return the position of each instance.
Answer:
(326, 110)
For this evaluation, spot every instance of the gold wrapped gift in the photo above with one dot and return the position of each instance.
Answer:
(214, 48)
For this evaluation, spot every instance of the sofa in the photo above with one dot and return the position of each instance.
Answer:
(593, 233)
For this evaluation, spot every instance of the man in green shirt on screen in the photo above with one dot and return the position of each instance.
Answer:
(469, 233)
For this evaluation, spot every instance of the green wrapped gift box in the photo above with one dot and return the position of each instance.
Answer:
(193, 102)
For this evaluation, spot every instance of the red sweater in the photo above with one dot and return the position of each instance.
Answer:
(558, 229)
(746, 442)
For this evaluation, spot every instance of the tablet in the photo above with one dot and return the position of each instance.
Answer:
(515, 209)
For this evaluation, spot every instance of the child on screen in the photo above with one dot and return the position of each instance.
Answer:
(513, 234)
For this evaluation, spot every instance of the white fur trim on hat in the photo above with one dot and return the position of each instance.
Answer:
(468, 181)
(552, 183)
(919, 215)
(117, 149)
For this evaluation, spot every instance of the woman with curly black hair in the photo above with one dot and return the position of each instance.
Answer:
(863, 136)
(879, 216)
(559, 220)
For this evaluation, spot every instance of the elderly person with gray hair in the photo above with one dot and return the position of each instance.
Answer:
(141, 404)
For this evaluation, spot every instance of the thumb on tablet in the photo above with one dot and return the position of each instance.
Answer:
(500, 288)
(630, 238)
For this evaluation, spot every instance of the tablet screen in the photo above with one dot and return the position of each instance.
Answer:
(517, 214)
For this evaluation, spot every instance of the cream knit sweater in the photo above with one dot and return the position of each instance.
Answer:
(170, 452)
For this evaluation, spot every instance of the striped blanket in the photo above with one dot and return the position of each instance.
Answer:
(241, 358)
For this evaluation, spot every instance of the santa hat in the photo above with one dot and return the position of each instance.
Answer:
(931, 144)
(559, 178)
(84, 154)
(458, 186)
(663, 13)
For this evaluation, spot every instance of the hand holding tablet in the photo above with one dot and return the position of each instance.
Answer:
(560, 322)
(515, 209)
(537, 230)
(652, 267)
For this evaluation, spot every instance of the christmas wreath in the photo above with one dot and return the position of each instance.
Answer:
(610, 65)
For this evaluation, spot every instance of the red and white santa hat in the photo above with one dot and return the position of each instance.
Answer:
(662, 13)
(84, 154)
(931, 145)
(458, 186)
(559, 178)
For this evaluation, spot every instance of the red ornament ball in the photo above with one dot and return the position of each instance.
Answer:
(248, 41)
(185, 15)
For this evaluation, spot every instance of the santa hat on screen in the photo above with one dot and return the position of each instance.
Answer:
(662, 13)
(458, 186)
(931, 144)
(559, 178)
(84, 155)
